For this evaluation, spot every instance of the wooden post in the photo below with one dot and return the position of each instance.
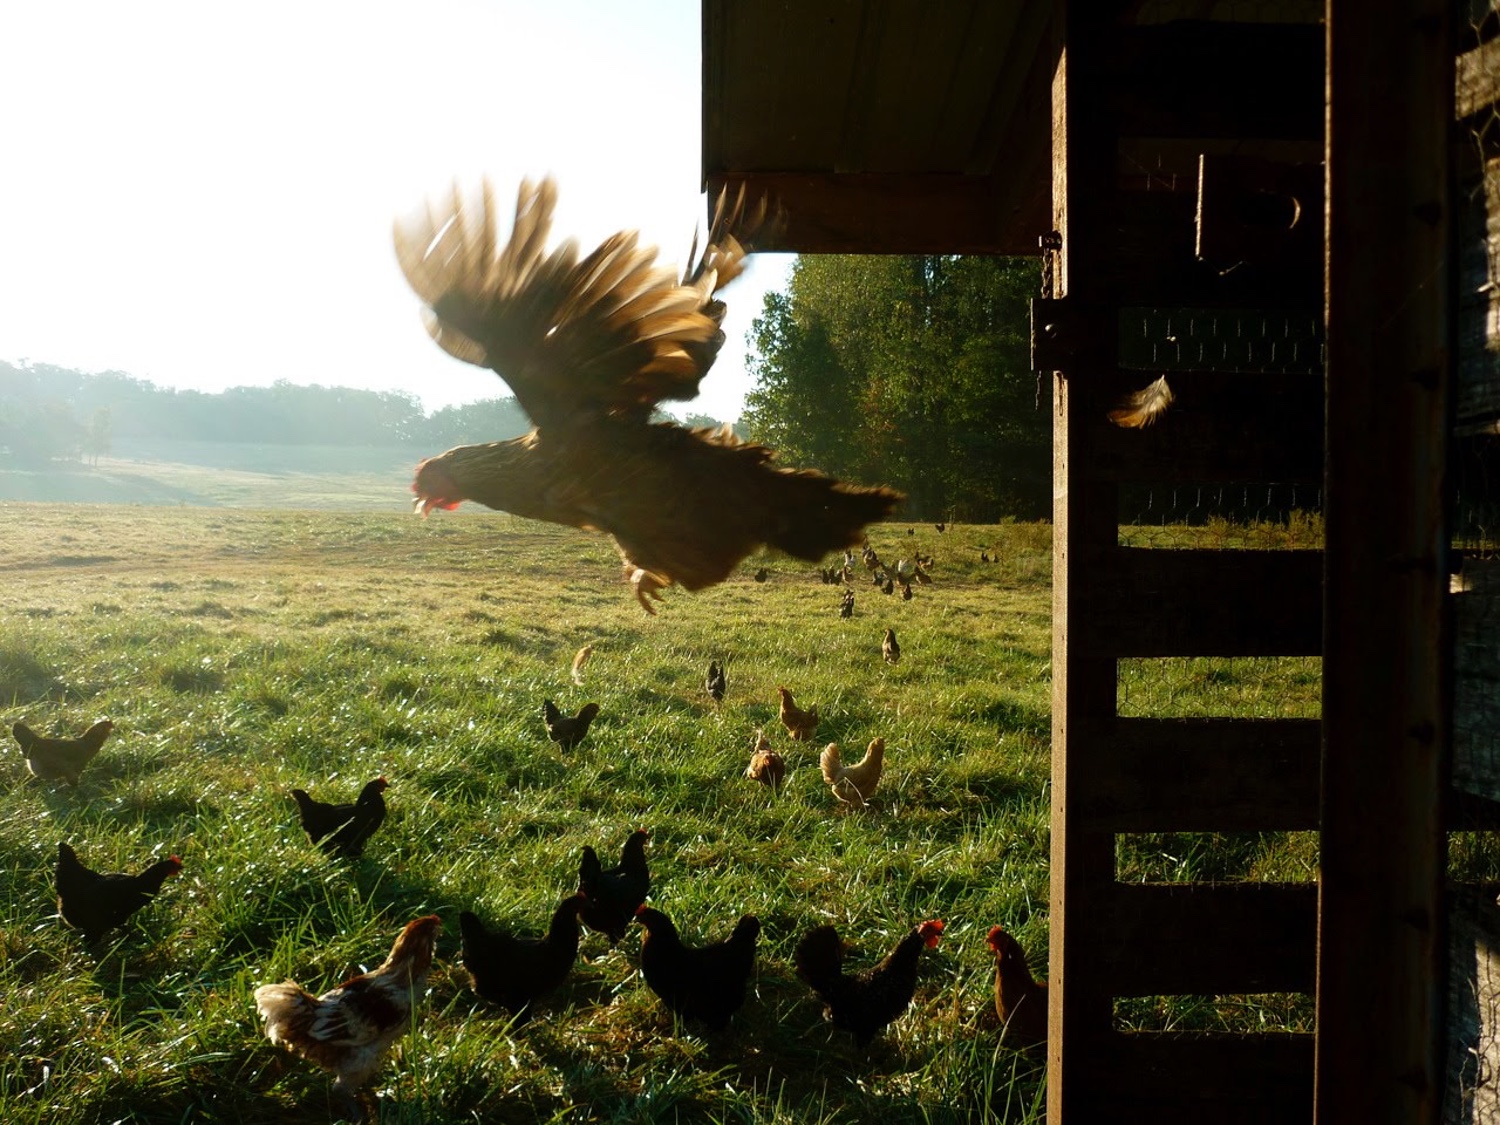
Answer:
(1390, 106)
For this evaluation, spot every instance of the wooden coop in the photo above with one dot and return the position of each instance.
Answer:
(1259, 201)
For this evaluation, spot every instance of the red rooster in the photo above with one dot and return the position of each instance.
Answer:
(590, 347)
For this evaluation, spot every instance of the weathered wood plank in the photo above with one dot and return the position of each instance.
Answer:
(868, 213)
(1385, 711)
(1203, 939)
(1153, 603)
(1173, 1078)
(1204, 775)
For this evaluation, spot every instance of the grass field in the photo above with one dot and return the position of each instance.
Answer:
(241, 653)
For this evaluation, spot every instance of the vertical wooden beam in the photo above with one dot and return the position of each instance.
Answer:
(1390, 96)
(1084, 532)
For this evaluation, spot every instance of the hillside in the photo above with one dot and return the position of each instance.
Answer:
(225, 474)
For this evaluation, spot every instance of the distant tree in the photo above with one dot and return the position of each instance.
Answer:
(701, 422)
(96, 438)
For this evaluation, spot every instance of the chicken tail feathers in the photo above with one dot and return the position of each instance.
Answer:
(817, 514)
(24, 735)
(288, 1010)
(819, 959)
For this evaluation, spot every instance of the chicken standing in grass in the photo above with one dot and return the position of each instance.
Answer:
(863, 1003)
(349, 1030)
(846, 604)
(567, 730)
(1020, 999)
(706, 983)
(856, 784)
(612, 897)
(343, 829)
(799, 724)
(716, 682)
(515, 972)
(60, 759)
(96, 902)
(766, 765)
(591, 346)
(890, 650)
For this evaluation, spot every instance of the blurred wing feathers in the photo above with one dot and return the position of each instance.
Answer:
(612, 332)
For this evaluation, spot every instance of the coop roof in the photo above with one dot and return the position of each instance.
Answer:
(885, 127)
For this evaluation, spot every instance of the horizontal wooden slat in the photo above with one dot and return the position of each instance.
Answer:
(1199, 603)
(1167, 1078)
(1201, 775)
(870, 213)
(1202, 939)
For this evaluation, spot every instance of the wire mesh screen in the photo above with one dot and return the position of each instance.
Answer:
(1472, 1087)
(1257, 515)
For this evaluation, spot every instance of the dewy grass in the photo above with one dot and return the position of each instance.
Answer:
(242, 653)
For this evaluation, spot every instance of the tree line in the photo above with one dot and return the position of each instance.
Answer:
(49, 412)
(908, 371)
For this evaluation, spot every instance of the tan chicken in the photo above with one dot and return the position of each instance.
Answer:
(349, 1030)
(856, 784)
(61, 759)
(890, 649)
(799, 724)
(591, 346)
(579, 661)
(1020, 1000)
(766, 765)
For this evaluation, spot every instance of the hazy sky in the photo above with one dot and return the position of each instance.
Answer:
(201, 194)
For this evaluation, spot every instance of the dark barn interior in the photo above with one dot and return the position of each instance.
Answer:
(1286, 209)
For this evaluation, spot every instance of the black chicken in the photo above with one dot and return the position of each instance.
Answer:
(516, 972)
(341, 830)
(96, 902)
(590, 347)
(612, 897)
(567, 730)
(706, 983)
(716, 682)
(863, 1003)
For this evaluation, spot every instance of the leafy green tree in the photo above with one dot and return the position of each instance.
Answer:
(913, 371)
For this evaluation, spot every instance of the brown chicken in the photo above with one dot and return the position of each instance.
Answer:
(856, 784)
(60, 759)
(349, 1030)
(799, 724)
(863, 1003)
(590, 347)
(706, 983)
(766, 766)
(343, 829)
(1020, 1000)
(612, 897)
(96, 902)
(515, 972)
(567, 730)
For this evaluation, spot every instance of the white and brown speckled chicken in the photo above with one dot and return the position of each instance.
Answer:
(349, 1030)
(591, 345)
